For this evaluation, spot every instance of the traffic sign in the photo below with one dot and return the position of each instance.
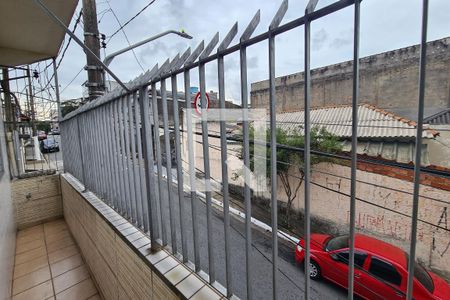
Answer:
(198, 103)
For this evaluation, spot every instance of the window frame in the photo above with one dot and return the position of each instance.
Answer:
(372, 258)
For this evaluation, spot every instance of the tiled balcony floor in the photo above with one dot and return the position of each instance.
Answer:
(48, 265)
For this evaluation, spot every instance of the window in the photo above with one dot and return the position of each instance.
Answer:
(422, 276)
(385, 271)
(337, 243)
(359, 258)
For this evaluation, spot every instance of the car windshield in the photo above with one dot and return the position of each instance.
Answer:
(422, 276)
(337, 243)
(48, 142)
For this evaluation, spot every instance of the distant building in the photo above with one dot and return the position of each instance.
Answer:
(388, 81)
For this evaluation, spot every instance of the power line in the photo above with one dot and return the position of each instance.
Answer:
(437, 172)
(128, 22)
(64, 51)
(126, 37)
(79, 72)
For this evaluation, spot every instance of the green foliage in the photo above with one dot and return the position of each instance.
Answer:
(293, 157)
(321, 140)
(68, 106)
(43, 126)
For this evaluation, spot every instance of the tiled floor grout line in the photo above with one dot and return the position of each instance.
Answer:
(28, 261)
(48, 261)
(89, 277)
(12, 284)
(29, 273)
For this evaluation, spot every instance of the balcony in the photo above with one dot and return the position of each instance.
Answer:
(155, 197)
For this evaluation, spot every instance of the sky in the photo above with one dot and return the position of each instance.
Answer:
(385, 25)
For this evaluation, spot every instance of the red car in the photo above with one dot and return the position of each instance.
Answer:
(381, 269)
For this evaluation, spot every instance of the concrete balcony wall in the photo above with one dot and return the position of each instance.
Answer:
(36, 200)
(118, 254)
(7, 222)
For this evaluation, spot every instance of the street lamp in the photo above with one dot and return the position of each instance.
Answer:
(108, 59)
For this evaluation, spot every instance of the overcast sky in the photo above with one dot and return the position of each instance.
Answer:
(385, 25)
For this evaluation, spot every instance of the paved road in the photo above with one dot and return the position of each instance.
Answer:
(54, 159)
(291, 278)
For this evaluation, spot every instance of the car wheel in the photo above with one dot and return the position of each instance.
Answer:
(314, 270)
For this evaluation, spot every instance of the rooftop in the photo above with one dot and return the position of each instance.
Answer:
(373, 123)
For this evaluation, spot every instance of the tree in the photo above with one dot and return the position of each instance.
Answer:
(68, 106)
(287, 159)
(43, 126)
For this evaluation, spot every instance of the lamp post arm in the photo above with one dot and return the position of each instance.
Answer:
(108, 59)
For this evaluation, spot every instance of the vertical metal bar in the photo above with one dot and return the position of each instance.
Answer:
(246, 147)
(106, 157)
(158, 163)
(134, 164)
(97, 157)
(307, 152)
(80, 142)
(117, 159)
(173, 229)
(128, 155)
(58, 103)
(149, 169)
(273, 164)
(121, 153)
(176, 125)
(205, 144)
(141, 164)
(355, 92)
(225, 188)
(192, 177)
(418, 149)
(110, 160)
(99, 172)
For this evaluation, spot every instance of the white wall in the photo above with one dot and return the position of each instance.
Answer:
(7, 223)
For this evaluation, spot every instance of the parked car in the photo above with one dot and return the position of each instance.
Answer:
(54, 132)
(381, 269)
(41, 135)
(49, 145)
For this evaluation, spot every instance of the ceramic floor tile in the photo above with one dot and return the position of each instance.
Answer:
(30, 231)
(56, 245)
(66, 265)
(57, 236)
(39, 292)
(80, 291)
(177, 274)
(62, 253)
(30, 266)
(30, 280)
(29, 237)
(166, 264)
(206, 293)
(190, 285)
(70, 278)
(30, 255)
(24, 247)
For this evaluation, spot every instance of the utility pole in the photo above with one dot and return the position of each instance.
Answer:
(8, 105)
(32, 112)
(92, 41)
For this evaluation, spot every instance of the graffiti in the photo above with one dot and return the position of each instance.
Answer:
(443, 223)
(333, 184)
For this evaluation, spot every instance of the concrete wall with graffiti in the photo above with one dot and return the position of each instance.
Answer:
(383, 209)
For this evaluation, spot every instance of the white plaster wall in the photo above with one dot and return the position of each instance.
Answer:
(7, 223)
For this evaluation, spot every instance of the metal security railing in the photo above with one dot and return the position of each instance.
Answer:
(113, 146)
